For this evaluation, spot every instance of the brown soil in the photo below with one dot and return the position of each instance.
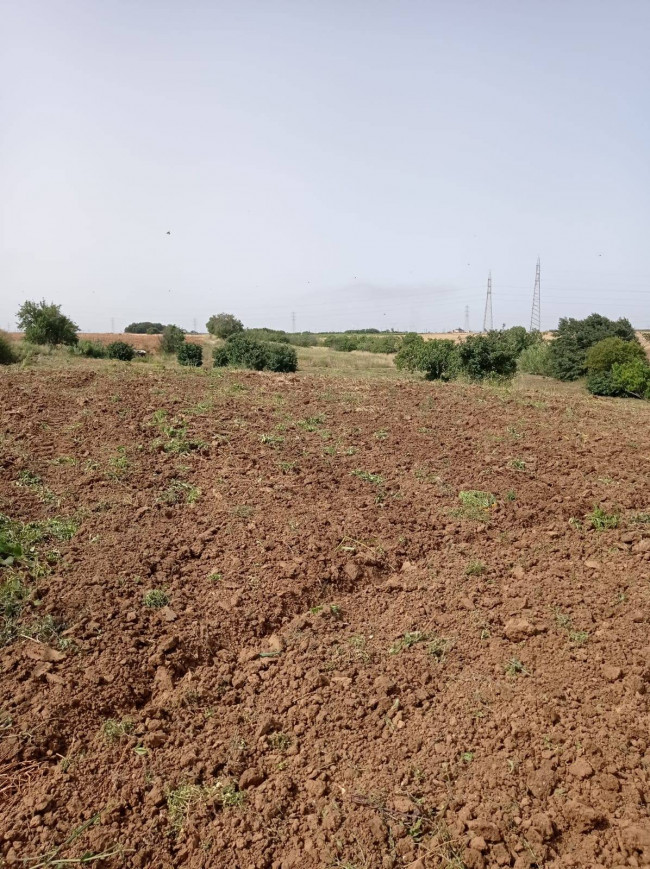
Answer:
(348, 672)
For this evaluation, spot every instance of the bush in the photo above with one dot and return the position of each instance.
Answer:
(190, 355)
(535, 359)
(7, 353)
(632, 378)
(245, 352)
(568, 351)
(438, 359)
(605, 353)
(172, 339)
(281, 357)
(145, 328)
(91, 349)
(342, 343)
(602, 383)
(120, 350)
(379, 344)
(45, 324)
(492, 354)
(224, 325)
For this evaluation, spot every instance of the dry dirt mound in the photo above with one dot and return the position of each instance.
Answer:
(277, 637)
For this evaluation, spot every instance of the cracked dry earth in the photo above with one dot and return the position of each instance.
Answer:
(248, 622)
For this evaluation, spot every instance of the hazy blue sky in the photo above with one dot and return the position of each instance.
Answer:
(359, 163)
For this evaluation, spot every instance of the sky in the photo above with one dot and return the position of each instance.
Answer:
(349, 163)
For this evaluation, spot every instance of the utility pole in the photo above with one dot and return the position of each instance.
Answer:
(293, 321)
(536, 312)
(487, 315)
(467, 318)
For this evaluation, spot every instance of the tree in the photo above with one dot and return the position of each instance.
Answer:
(568, 353)
(494, 353)
(601, 356)
(224, 325)
(45, 324)
(172, 339)
(438, 359)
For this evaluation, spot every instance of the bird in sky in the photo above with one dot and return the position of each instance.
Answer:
(168, 232)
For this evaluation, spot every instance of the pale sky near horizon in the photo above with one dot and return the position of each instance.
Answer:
(358, 163)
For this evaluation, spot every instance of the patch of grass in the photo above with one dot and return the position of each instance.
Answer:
(114, 729)
(215, 577)
(367, 477)
(601, 520)
(476, 504)
(279, 741)
(179, 491)
(13, 594)
(381, 435)
(181, 799)
(312, 423)
(243, 511)
(475, 568)
(410, 638)
(438, 647)
(514, 667)
(518, 464)
(29, 480)
(118, 465)
(156, 598)
(271, 440)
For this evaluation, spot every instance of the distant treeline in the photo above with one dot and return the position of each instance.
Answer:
(375, 343)
(277, 336)
(145, 328)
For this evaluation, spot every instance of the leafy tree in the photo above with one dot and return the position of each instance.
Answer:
(45, 324)
(568, 351)
(172, 339)
(144, 328)
(120, 350)
(224, 325)
(605, 353)
(190, 354)
(492, 354)
(7, 353)
(632, 378)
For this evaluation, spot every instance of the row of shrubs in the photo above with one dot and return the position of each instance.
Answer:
(348, 342)
(493, 354)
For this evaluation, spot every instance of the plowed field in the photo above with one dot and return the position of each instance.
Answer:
(247, 621)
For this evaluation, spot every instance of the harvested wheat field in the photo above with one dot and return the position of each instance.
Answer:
(293, 621)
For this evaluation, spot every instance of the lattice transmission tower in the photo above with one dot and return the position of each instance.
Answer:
(466, 318)
(487, 315)
(536, 313)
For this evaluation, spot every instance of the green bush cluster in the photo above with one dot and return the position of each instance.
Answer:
(242, 351)
(349, 341)
(91, 349)
(493, 354)
(298, 339)
(120, 350)
(574, 338)
(535, 359)
(190, 355)
(619, 368)
(606, 353)
(7, 353)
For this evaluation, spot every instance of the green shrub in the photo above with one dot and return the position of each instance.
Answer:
(342, 343)
(492, 354)
(7, 353)
(190, 355)
(535, 359)
(172, 339)
(602, 383)
(45, 324)
(120, 350)
(303, 339)
(605, 353)
(409, 354)
(242, 351)
(224, 325)
(632, 378)
(91, 349)
(281, 357)
(379, 343)
(438, 359)
(568, 352)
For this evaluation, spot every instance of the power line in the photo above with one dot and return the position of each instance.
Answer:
(536, 312)
(487, 315)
